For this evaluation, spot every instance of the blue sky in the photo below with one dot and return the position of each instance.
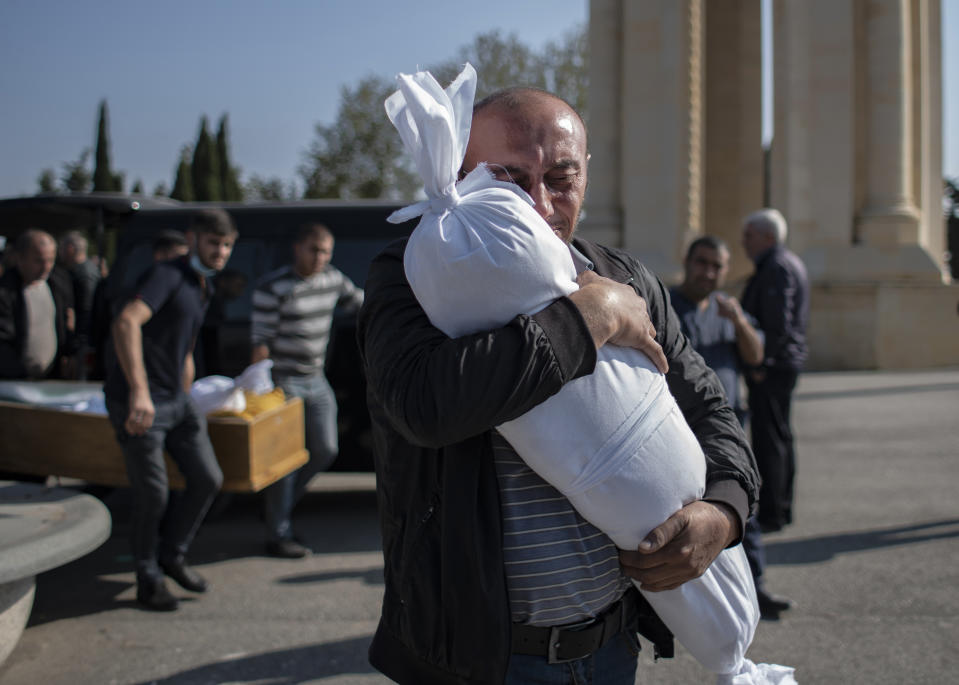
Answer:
(276, 67)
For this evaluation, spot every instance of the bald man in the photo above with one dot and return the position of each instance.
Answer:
(36, 312)
(491, 574)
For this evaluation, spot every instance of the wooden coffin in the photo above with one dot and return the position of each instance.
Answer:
(49, 442)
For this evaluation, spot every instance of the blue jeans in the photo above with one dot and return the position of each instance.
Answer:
(163, 524)
(613, 664)
(319, 409)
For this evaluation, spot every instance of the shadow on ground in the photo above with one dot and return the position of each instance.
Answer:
(283, 667)
(822, 548)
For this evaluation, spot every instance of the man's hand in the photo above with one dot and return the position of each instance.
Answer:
(614, 313)
(683, 547)
(141, 413)
(729, 307)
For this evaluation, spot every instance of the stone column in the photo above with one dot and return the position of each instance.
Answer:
(733, 140)
(662, 133)
(603, 219)
(889, 216)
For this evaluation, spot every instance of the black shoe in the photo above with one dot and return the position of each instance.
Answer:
(185, 576)
(156, 596)
(770, 606)
(286, 549)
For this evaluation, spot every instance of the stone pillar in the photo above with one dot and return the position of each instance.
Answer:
(814, 146)
(603, 219)
(656, 123)
(889, 216)
(733, 140)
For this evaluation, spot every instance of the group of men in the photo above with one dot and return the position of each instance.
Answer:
(460, 600)
(46, 303)
(153, 331)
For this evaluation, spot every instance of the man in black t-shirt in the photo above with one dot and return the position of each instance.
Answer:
(147, 394)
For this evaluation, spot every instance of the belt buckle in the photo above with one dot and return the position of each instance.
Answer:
(552, 648)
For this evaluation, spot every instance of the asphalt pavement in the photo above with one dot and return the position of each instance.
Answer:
(871, 561)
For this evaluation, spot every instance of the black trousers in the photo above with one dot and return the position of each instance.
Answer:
(770, 405)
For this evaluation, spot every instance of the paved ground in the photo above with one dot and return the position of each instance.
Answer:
(872, 562)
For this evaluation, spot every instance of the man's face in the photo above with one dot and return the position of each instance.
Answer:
(756, 242)
(36, 262)
(214, 250)
(543, 150)
(706, 270)
(311, 255)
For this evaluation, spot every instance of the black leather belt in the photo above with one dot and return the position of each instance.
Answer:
(577, 640)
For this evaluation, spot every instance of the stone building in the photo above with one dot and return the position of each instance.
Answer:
(855, 164)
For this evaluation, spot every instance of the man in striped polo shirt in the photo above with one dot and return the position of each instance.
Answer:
(491, 576)
(292, 312)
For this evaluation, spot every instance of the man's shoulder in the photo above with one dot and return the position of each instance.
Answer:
(269, 281)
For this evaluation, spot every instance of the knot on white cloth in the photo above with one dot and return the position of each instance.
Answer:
(446, 200)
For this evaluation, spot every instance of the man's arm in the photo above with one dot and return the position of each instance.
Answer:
(436, 391)
(128, 342)
(189, 371)
(260, 352)
(749, 343)
(684, 546)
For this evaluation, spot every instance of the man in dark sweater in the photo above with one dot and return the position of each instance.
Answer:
(777, 295)
(147, 395)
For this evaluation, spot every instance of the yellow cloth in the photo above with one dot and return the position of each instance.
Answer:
(256, 404)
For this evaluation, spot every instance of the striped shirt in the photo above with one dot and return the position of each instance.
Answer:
(560, 568)
(292, 316)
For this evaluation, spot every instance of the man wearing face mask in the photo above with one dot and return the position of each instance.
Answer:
(292, 312)
(147, 396)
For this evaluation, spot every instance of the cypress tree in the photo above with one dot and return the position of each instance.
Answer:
(183, 184)
(230, 188)
(103, 177)
(206, 173)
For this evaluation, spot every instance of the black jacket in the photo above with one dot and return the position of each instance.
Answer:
(777, 295)
(433, 401)
(13, 322)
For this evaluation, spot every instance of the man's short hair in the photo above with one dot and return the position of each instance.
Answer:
(31, 237)
(710, 241)
(74, 239)
(213, 220)
(312, 230)
(770, 222)
(511, 100)
(168, 239)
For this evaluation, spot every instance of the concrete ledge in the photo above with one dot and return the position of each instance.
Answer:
(40, 529)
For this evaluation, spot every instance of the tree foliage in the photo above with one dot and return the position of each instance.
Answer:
(104, 179)
(357, 156)
(205, 169)
(951, 197)
(230, 188)
(360, 155)
(76, 176)
(47, 181)
(183, 183)
(273, 189)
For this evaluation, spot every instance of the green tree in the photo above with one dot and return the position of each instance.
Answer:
(76, 176)
(47, 181)
(358, 156)
(273, 189)
(230, 188)
(137, 188)
(205, 169)
(161, 190)
(183, 183)
(104, 179)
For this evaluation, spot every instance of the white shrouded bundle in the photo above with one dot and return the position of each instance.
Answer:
(614, 442)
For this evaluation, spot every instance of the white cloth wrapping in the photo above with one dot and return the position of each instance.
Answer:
(614, 442)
